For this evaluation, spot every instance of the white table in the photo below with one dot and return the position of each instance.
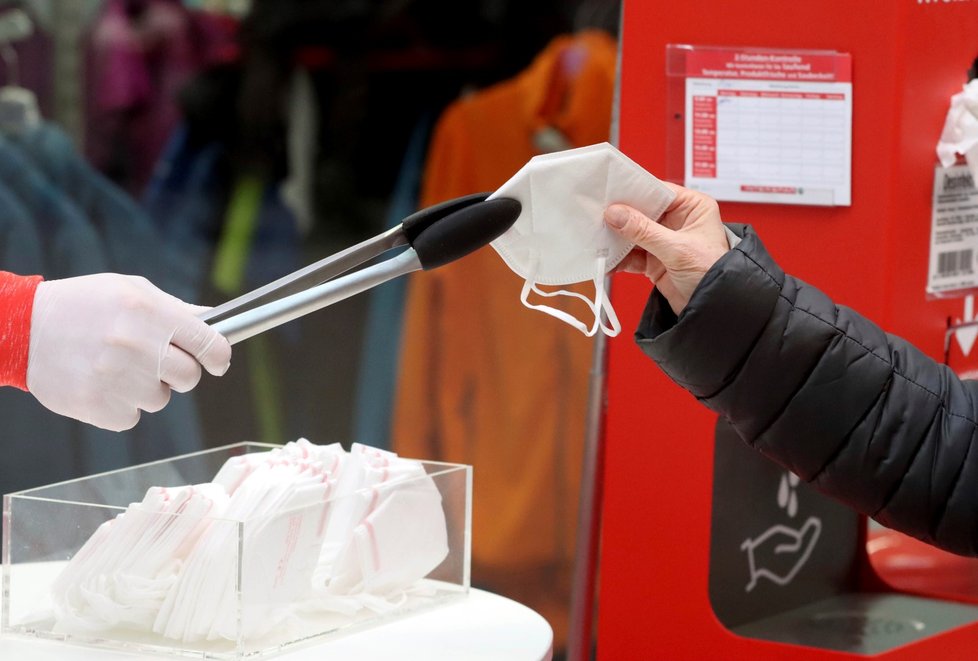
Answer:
(480, 627)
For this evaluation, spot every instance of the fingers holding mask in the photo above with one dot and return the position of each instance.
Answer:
(683, 244)
(641, 230)
(634, 262)
(643, 263)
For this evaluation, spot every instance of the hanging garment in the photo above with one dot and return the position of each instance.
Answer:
(132, 242)
(186, 197)
(258, 239)
(20, 242)
(235, 234)
(138, 61)
(382, 341)
(131, 245)
(71, 245)
(36, 445)
(485, 381)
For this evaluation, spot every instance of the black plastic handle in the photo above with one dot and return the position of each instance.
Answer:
(419, 221)
(464, 231)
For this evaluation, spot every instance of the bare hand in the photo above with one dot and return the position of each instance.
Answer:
(676, 252)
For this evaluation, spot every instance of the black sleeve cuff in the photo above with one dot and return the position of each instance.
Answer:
(702, 348)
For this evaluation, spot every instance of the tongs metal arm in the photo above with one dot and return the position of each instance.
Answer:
(329, 267)
(467, 224)
(257, 320)
(309, 276)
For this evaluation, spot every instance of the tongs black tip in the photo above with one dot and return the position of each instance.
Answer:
(420, 220)
(464, 230)
(437, 235)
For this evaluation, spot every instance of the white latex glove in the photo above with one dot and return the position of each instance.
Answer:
(105, 346)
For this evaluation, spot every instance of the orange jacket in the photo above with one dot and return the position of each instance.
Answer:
(484, 380)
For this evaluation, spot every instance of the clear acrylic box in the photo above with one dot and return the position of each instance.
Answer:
(44, 528)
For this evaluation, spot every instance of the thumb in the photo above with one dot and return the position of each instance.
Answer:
(641, 230)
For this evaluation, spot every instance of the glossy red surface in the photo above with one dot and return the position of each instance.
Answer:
(909, 57)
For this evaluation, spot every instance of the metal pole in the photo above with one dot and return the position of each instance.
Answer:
(589, 511)
(583, 588)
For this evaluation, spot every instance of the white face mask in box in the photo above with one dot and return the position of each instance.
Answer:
(560, 237)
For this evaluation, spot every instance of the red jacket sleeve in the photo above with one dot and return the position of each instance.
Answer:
(16, 305)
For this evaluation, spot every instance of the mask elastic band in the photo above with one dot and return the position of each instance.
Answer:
(601, 297)
(599, 303)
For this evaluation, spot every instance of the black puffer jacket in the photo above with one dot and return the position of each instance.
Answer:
(863, 415)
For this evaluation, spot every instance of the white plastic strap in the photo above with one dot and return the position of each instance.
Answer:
(600, 302)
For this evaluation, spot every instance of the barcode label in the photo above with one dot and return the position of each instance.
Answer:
(954, 263)
(953, 234)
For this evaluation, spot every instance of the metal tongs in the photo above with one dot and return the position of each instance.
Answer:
(436, 236)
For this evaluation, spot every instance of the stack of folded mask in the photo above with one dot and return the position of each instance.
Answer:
(323, 530)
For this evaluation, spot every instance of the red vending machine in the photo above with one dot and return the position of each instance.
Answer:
(708, 550)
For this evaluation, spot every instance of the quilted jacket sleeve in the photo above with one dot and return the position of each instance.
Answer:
(862, 415)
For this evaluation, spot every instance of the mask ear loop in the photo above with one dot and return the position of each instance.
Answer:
(600, 302)
(603, 301)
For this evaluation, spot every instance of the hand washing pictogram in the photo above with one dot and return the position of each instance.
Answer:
(780, 552)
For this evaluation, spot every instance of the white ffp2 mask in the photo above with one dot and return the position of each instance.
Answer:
(560, 237)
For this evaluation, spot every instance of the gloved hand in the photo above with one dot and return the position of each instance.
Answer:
(105, 346)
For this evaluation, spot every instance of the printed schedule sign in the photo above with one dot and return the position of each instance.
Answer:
(769, 126)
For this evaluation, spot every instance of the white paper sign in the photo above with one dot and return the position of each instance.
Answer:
(765, 126)
(954, 231)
